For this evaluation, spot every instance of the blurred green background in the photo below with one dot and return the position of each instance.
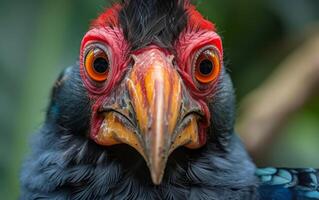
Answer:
(40, 38)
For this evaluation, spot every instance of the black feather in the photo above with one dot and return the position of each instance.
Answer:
(70, 107)
(154, 21)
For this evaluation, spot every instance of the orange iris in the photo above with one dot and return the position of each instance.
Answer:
(207, 66)
(97, 64)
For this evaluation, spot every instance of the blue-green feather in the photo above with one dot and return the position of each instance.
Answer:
(294, 184)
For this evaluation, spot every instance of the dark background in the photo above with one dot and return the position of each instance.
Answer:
(40, 38)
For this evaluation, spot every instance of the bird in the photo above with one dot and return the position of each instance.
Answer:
(148, 112)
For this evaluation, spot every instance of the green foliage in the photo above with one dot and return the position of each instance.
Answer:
(39, 38)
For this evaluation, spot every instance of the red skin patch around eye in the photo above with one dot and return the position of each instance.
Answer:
(186, 47)
(113, 40)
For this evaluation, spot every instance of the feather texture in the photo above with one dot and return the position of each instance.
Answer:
(155, 21)
(65, 164)
(288, 184)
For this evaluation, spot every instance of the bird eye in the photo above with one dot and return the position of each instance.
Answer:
(207, 65)
(97, 64)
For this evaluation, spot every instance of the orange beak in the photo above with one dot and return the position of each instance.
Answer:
(153, 112)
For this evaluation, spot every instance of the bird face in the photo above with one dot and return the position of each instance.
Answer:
(152, 98)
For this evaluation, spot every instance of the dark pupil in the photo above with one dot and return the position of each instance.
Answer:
(206, 67)
(101, 65)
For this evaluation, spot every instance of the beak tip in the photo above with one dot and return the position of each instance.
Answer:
(157, 171)
(156, 178)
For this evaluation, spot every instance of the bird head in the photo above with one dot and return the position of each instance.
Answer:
(150, 74)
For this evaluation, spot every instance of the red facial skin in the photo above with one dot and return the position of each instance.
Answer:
(118, 49)
(105, 30)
